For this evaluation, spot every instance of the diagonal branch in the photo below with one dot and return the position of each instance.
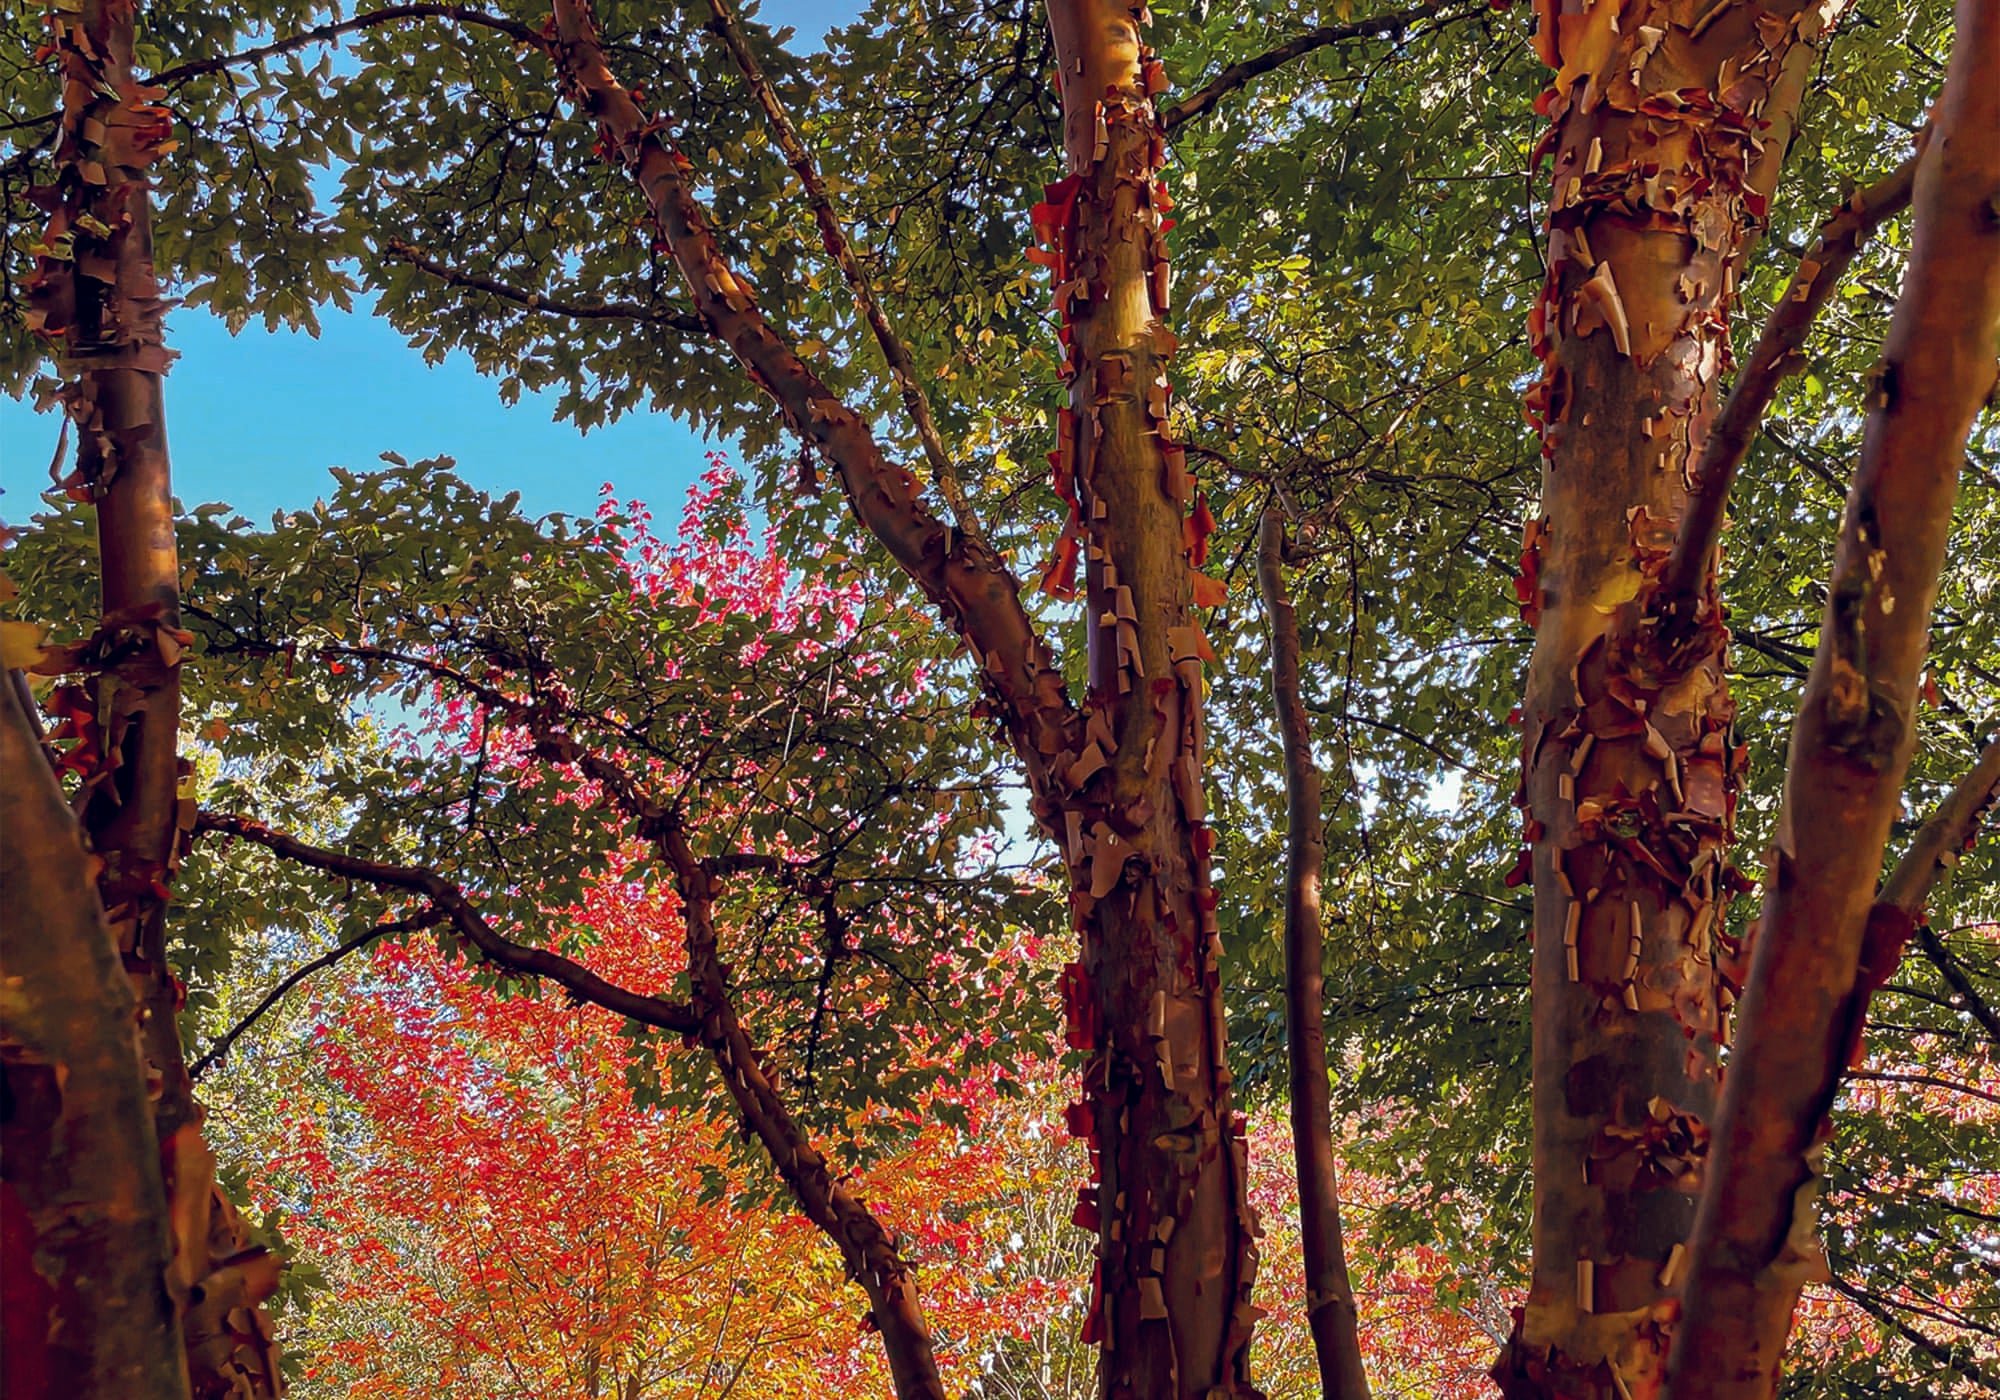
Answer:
(397, 250)
(1238, 75)
(964, 577)
(1958, 1359)
(1935, 849)
(868, 1249)
(1944, 835)
(573, 977)
(901, 368)
(1775, 358)
(320, 34)
(428, 917)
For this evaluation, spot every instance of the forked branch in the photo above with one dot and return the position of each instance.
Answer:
(398, 250)
(1776, 357)
(572, 976)
(901, 367)
(963, 576)
(1238, 75)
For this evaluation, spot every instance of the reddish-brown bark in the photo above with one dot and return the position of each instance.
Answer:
(84, 1247)
(1330, 1310)
(1669, 121)
(1118, 785)
(1176, 1250)
(867, 1247)
(902, 368)
(1676, 607)
(95, 298)
(1823, 940)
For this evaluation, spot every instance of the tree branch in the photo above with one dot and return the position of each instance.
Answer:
(691, 326)
(901, 368)
(427, 918)
(1926, 1080)
(869, 1250)
(1238, 75)
(459, 14)
(572, 976)
(1944, 835)
(1330, 1310)
(962, 576)
(1935, 849)
(1945, 1355)
(1970, 1000)
(1776, 356)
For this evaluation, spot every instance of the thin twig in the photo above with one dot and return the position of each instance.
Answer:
(680, 321)
(902, 368)
(429, 917)
(1237, 75)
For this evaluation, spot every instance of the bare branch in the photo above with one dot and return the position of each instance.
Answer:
(320, 34)
(691, 326)
(1330, 1310)
(571, 976)
(429, 917)
(1944, 835)
(1955, 1358)
(962, 576)
(1238, 75)
(901, 367)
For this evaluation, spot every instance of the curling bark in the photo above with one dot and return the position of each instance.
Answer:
(84, 1246)
(1176, 1250)
(1669, 124)
(1330, 1310)
(1823, 941)
(95, 298)
(1117, 781)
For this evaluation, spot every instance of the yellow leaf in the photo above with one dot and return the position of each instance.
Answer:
(21, 645)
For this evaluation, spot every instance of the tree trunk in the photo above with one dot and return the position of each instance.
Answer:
(1824, 943)
(1330, 1311)
(1176, 1254)
(1670, 121)
(1117, 785)
(96, 300)
(84, 1263)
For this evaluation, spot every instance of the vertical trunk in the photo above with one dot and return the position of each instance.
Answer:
(1330, 1307)
(1824, 943)
(96, 299)
(82, 1209)
(1117, 785)
(1670, 120)
(1176, 1254)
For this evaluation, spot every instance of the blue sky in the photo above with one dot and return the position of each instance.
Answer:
(256, 419)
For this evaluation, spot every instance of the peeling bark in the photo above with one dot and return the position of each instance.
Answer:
(83, 1266)
(1176, 1236)
(868, 1249)
(1669, 119)
(1330, 1310)
(1778, 353)
(1116, 783)
(1823, 941)
(95, 299)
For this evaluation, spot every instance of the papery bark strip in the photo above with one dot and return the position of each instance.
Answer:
(1823, 941)
(1177, 1256)
(1668, 125)
(84, 1244)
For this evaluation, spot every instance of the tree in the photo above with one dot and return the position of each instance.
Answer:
(1667, 142)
